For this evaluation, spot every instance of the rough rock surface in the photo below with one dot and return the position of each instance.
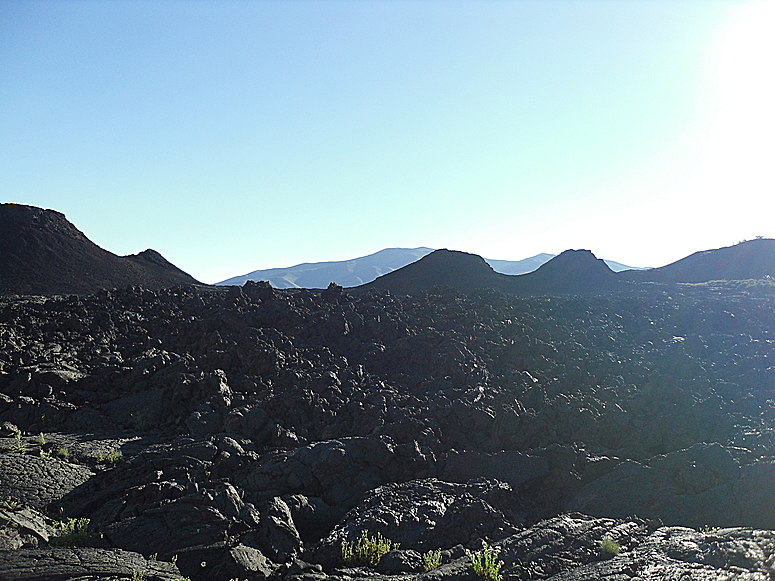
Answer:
(255, 430)
(39, 481)
(87, 564)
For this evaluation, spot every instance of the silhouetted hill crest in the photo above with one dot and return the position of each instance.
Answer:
(751, 259)
(460, 270)
(573, 271)
(41, 252)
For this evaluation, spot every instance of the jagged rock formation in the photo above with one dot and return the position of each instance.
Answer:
(42, 253)
(255, 430)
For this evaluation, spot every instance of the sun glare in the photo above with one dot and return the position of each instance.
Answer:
(742, 144)
(727, 185)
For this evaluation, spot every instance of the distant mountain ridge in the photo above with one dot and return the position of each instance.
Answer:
(576, 272)
(573, 271)
(362, 270)
(354, 272)
(41, 252)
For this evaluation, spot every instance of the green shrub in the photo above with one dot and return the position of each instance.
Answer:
(73, 532)
(431, 559)
(485, 562)
(367, 551)
(112, 457)
(18, 446)
(609, 547)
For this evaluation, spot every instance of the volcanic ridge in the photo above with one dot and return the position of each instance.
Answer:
(41, 252)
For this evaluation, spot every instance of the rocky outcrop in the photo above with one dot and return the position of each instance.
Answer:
(256, 430)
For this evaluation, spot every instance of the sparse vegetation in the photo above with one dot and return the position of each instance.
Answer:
(112, 457)
(64, 452)
(486, 563)
(18, 447)
(73, 532)
(609, 547)
(431, 559)
(367, 551)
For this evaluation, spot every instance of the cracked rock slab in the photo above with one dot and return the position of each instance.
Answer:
(36, 481)
(84, 564)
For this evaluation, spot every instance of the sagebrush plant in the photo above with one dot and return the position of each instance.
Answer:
(73, 532)
(367, 551)
(431, 559)
(609, 547)
(112, 457)
(486, 563)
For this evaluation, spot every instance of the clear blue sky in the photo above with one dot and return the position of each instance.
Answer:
(233, 136)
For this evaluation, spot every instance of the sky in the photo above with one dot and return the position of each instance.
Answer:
(233, 136)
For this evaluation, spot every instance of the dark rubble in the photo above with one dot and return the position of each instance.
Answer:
(248, 432)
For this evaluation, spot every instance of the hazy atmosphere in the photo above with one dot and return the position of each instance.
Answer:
(235, 136)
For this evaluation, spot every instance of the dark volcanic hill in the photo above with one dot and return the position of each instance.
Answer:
(364, 269)
(577, 272)
(572, 272)
(41, 252)
(746, 260)
(452, 268)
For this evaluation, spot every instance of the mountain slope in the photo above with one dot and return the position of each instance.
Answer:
(579, 271)
(459, 270)
(573, 271)
(747, 260)
(358, 271)
(41, 252)
(345, 272)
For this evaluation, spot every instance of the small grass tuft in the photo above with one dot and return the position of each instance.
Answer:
(112, 457)
(18, 447)
(431, 560)
(486, 563)
(367, 551)
(73, 532)
(609, 547)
